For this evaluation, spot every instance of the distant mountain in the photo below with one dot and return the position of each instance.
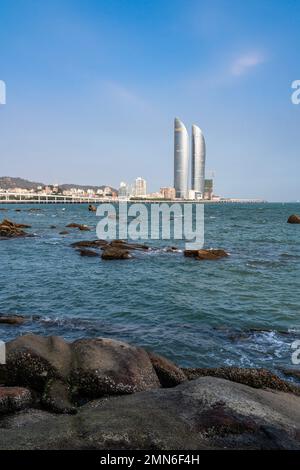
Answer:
(7, 182)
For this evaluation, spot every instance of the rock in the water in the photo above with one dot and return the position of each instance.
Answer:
(92, 208)
(57, 397)
(256, 378)
(14, 399)
(212, 254)
(64, 232)
(108, 367)
(81, 227)
(207, 413)
(90, 244)
(85, 252)
(12, 319)
(111, 253)
(10, 229)
(294, 219)
(291, 373)
(168, 373)
(128, 246)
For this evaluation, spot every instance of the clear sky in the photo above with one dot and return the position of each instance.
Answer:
(93, 87)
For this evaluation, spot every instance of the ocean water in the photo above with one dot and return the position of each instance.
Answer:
(243, 310)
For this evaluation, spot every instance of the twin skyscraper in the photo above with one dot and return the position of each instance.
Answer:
(181, 161)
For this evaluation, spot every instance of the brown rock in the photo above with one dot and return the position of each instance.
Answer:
(111, 253)
(90, 243)
(10, 229)
(14, 399)
(128, 246)
(57, 397)
(168, 373)
(212, 254)
(92, 208)
(292, 373)
(12, 319)
(256, 378)
(81, 227)
(85, 252)
(64, 232)
(108, 367)
(294, 219)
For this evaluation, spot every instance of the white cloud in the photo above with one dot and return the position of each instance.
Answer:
(246, 62)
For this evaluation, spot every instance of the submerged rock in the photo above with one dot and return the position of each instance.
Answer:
(113, 252)
(64, 232)
(212, 254)
(294, 219)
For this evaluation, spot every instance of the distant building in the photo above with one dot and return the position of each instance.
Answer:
(181, 159)
(124, 190)
(208, 189)
(140, 187)
(168, 193)
(198, 160)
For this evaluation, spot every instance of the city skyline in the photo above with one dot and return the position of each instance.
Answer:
(89, 101)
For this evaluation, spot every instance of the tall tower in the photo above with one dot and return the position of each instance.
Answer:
(198, 160)
(181, 159)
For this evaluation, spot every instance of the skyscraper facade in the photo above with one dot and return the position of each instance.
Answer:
(140, 187)
(198, 160)
(181, 159)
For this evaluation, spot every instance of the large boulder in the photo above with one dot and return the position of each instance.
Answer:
(14, 399)
(108, 367)
(32, 360)
(294, 219)
(91, 368)
(168, 373)
(212, 254)
(207, 413)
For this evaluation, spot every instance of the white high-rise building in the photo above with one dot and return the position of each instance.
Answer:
(140, 187)
(198, 160)
(181, 159)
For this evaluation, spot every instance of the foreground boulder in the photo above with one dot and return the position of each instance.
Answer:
(212, 254)
(14, 399)
(10, 229)
(90, 368)
(207, 413)
(294, 219)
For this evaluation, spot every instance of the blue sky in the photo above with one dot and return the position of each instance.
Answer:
(93, 87)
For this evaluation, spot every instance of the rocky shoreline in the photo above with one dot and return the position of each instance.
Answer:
(105, 394)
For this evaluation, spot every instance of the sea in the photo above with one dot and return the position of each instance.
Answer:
(243, 310)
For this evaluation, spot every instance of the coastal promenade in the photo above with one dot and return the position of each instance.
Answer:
(36, 198)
